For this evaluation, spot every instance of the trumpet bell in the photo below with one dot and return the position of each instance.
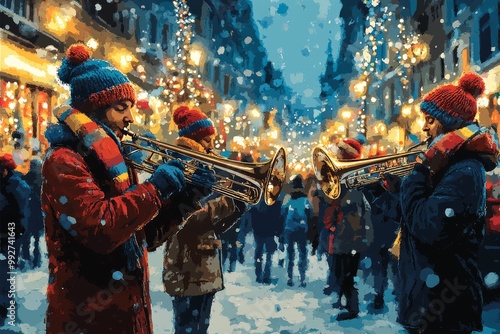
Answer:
(326, 173)
(355, 173)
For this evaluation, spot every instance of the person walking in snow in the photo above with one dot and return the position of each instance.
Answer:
(297, 210)
(352, 234)
(14, 219)
(443, 206)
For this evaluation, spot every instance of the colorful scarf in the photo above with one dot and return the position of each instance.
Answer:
(94, 137)
(472, 137)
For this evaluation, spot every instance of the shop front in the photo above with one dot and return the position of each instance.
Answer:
(28, 93)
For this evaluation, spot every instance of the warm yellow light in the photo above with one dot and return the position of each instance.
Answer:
(255, 113)
(196, 56)
(346, 114)
(93, 44)
(406, 110)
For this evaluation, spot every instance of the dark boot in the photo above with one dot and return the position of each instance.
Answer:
(352, 306)
(258, 271)
(290, 282)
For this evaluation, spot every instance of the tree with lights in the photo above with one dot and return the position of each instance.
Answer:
(183, 81)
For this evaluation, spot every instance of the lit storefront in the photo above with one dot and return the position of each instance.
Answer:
(28, 93)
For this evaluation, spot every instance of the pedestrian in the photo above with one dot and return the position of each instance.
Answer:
(352, 234)
(297, 211)
(443, 205)
(14, 213)
(233, 240)
(267, 227)
(35, 226)
(192, 267)
(96, 219)
(386, 216)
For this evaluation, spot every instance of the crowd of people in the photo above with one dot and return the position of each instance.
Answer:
(100, 219)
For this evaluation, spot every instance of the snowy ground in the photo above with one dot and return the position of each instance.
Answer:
(245, 306)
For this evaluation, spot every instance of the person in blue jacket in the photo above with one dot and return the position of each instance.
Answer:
(297, 210)
(443, 206)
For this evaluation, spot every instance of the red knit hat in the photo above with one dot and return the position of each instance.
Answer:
(193, 124)
(455, 106)
(350, 149)
(93, 83)
(7, 161)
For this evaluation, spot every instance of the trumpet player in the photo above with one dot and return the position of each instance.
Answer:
(192, 271)
(443, 208)
(96, 220)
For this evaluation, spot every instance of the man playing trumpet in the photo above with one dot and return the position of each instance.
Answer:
(443, 207)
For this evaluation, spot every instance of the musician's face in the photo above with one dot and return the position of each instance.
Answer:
(118, 116)
(432, 127)
(208, 143)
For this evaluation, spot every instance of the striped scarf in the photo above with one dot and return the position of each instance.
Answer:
(94, 137)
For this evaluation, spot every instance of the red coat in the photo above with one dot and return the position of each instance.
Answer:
(86, 221)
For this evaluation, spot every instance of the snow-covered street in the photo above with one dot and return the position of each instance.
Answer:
(245, 306)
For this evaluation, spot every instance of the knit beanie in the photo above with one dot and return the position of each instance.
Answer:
(7, 161)
(93, 83)
(350, 148)
(193, 124)
(455, 106)
(297, 182)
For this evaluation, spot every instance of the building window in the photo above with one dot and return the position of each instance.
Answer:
(164, 37)
(443, 68)
(216, 74)
(153, 21)
(432, 73)
(455, 56)
(227, 80)
(137, 29)
(24, 8)
(485, 41)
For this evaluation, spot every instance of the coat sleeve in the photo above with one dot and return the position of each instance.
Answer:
(99, 222)
(432, 214)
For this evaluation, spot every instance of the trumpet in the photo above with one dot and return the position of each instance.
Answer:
(331, 173)
(246, 182)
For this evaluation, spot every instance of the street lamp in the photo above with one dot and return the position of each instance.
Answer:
(346, 116)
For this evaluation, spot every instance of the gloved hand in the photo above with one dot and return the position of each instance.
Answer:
(390, 182)
(169, 178)
(204, 177)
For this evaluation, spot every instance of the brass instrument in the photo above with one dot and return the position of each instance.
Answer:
(330, 173)
(257, 179)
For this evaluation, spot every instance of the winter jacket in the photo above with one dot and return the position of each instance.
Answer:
(93, 287)
(297, 211)
(354, 231)
(192, 264)
(442, 229)
(14, 207)
(267, 220)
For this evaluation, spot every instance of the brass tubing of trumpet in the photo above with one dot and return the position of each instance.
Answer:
(257, 176)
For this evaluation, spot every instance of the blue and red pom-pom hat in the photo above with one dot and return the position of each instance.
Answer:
(193, 124)
(455, 106)
(93, 83)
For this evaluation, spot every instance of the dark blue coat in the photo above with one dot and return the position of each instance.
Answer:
(443, 219)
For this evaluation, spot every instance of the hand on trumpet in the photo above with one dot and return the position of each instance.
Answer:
(169, 178)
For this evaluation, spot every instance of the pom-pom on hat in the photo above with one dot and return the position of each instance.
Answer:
(350, 148)
(193, 124)
(93, 83)
(7, 161)
(455, 106)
